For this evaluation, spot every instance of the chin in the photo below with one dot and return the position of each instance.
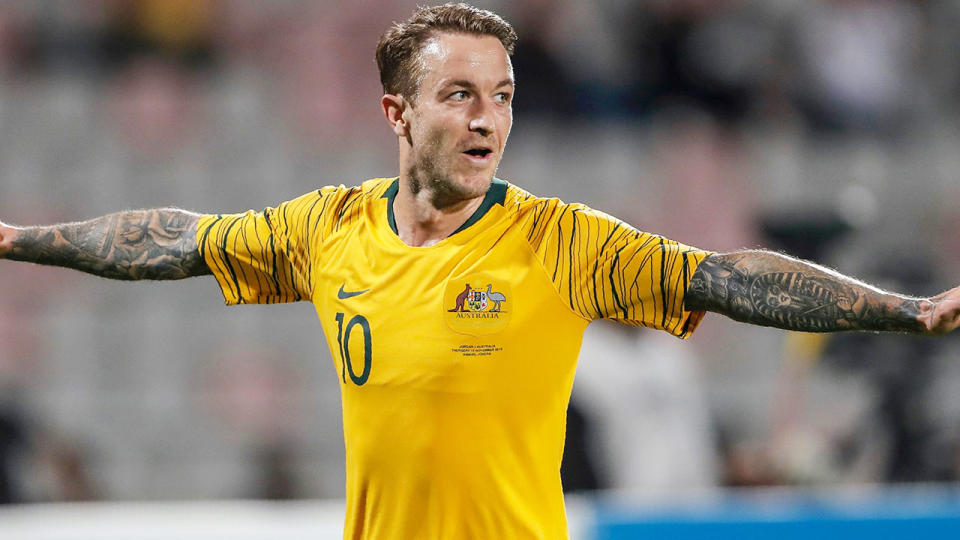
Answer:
(475, 186)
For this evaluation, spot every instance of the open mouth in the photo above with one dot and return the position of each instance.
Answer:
(478, 152)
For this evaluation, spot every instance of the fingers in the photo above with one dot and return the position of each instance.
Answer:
(6, 239)
(952, 310)
(947, 321)
(946, 314)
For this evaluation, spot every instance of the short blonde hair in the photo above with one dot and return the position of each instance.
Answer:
(399, 47)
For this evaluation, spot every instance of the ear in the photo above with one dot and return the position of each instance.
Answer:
(395, 109)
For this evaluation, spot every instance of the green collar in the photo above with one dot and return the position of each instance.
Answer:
(497, 194)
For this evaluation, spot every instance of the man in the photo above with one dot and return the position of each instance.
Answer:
(454, 410)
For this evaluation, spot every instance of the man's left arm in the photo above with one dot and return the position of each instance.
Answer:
(769, 289)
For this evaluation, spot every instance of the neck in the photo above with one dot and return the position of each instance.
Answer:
(421, 223)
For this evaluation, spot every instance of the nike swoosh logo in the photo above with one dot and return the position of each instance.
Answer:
(343, 295)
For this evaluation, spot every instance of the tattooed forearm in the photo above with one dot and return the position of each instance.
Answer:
(768, 289)
(140, 244)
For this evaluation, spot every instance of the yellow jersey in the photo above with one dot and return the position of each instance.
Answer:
(456, 360)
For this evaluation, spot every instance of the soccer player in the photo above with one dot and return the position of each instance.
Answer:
(454, 302)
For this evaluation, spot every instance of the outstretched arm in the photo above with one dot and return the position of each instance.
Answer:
(137, 244)
(769, 289)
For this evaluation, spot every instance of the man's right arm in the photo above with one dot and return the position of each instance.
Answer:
(137, 244)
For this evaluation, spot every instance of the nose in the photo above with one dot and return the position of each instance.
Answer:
(481, 120)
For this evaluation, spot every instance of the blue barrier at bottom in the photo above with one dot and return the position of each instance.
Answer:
(930, 514)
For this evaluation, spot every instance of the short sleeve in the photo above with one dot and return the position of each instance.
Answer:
(606, 269)
(265, 257)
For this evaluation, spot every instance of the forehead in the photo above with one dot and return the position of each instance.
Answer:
(465, 57)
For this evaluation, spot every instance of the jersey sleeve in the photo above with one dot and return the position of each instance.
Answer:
(605, 269)
(265, 257)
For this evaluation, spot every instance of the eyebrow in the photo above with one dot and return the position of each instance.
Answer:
(468, 84)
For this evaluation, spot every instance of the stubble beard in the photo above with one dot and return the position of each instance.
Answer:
(433, 171)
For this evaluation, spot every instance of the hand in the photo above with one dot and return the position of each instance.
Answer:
(7, 234)
(941, 314)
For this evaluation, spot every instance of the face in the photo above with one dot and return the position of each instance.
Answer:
(458, 126)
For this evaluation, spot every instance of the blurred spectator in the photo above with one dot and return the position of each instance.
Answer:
(176, 30)
(277, 479)
(856, 59)
(711, 55)
(578, 468)
(18, 45)
(542, 75)
(745, 463)
(706, 199)
(69, 475)
(901, 370)
(641, 391)
(13, 449)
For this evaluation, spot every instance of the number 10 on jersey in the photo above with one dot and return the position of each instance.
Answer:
(343, 341)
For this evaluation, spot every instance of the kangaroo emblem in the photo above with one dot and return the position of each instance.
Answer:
(461, 298)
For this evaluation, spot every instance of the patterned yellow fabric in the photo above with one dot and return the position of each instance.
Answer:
(456, 360)
(606, 269)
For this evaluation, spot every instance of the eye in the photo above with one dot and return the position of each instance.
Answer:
(502, 97)
(459, 95)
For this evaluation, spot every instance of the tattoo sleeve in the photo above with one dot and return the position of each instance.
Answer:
(769, 289)
(139, 244)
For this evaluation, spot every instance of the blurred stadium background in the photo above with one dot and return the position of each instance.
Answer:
(827, 128)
